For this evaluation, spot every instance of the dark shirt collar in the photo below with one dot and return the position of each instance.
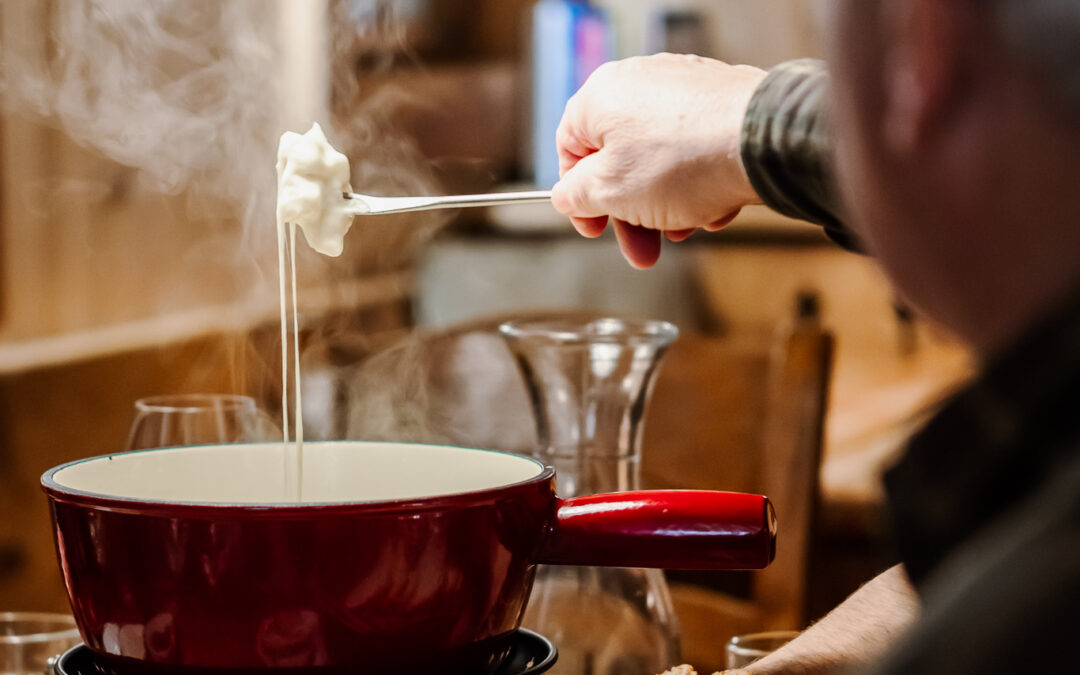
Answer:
(993, 445)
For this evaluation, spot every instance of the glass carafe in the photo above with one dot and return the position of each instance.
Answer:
(589, 383)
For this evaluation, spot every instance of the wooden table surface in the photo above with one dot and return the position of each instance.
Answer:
(877, 402)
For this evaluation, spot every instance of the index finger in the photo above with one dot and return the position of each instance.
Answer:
(571, 141)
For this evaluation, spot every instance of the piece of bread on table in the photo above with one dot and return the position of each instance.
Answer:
(689, 670)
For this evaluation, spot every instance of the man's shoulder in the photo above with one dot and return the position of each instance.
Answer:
(1009, 599)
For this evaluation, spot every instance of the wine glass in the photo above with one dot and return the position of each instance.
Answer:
(28, 640)
(197, 419)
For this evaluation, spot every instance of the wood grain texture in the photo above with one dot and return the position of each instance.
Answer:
(63, 413)
(743, 412)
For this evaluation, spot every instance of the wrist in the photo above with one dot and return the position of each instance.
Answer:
(723, 121)
(743, 185)
(746, 103)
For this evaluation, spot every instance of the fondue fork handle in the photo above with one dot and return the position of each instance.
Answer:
(668, 529)
(366, 205)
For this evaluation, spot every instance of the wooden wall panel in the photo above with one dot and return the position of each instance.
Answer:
(55, 415)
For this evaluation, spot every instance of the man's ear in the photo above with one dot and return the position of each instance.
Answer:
(923, 69)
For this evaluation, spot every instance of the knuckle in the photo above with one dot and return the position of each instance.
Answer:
(605, 69)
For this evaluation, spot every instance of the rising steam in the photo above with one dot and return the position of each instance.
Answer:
(183, 90)
(194, 94)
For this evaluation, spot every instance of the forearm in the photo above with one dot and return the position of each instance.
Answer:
(857, 632)
(786, 148)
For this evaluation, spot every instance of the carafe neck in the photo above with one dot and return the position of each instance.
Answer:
(589, 384)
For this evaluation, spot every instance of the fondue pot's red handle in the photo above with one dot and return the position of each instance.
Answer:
(670, 529)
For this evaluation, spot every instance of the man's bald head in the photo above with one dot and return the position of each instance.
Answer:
(956, 139)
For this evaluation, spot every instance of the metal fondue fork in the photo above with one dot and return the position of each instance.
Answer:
(366, 205)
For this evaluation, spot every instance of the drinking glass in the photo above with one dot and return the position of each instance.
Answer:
(197, 419)
(29, 639)
(742, 650)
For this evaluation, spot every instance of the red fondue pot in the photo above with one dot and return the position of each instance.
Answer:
(402, 558)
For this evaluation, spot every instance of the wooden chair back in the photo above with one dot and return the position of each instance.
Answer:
(742, 413)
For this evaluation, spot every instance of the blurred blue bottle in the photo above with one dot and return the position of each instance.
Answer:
(570, 39)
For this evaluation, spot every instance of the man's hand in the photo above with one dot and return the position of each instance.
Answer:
(653, 143)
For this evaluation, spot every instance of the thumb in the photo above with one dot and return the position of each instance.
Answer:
(577, 194)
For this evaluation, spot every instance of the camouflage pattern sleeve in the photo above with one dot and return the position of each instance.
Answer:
(786, 148)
